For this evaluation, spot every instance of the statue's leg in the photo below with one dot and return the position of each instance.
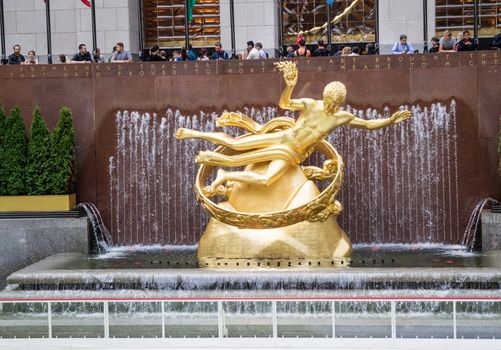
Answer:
(275, 169)
(219, 138)
(260, 155)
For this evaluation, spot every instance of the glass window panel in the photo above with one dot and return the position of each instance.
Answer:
(458, 15)
(135, 319)
(424, 319)
(478, 320)
(77, 320)
(304, 319)
(24, 320)
(247, 319)
(302, 16)
(363, 319)
(191, 319)
(163, 23)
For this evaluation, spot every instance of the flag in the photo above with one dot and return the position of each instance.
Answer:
(191, 4)
(330, 3)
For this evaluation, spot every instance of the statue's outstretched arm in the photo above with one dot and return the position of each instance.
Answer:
(289, 71)
(379, 123)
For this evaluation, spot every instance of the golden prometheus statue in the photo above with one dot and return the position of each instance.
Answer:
(274, 214)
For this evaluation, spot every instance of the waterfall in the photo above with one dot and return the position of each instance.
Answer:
(470, 233)
(401, 182)
(101, 234)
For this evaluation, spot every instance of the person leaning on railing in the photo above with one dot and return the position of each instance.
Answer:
(447, 43)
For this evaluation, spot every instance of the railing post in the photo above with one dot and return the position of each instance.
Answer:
(393, 320)
(49, 315)
(274, 318)
(220, 316)
(454, 324)
(333, 319)
(106, 320)
(163, 318)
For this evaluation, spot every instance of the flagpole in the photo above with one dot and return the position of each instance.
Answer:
(140, 24)
(49, 39)
(94, 31)
(2, 31)
(232, 27)
(186, 25)
(329, 28)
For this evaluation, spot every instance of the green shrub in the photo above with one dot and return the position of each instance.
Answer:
(38, 169)
(2, 168)
(14, 154)
(63, 155)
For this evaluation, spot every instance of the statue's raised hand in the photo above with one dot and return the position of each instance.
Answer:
(399, 116)
(289, 71)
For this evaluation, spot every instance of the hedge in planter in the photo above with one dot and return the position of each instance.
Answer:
(63, 155)
(38, 169)
(13, 152)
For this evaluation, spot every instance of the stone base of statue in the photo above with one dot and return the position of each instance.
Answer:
(305, 244)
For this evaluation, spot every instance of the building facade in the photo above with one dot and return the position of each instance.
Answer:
(275, 23)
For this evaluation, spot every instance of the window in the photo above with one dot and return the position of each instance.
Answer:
(458, 15)
(163, 23)
(303, 15)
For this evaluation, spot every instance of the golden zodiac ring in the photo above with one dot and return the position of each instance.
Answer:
(318, 209)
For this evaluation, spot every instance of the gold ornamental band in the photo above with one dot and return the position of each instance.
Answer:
(319, 209)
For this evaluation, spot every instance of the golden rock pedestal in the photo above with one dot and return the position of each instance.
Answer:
(305, 244)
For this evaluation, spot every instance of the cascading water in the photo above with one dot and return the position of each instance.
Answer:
(470, 233)
(401, 182)
(102, 236)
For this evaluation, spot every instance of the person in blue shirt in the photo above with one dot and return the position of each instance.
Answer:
(402, 47)
(192, 56)
(219, 53)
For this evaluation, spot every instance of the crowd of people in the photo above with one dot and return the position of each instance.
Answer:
(447, 43)
(119, 55)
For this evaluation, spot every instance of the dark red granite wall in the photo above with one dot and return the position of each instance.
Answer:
(95, 93)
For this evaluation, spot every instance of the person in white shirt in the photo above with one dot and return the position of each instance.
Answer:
(257, 52)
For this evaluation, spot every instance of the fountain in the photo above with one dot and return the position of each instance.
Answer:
(399, 182)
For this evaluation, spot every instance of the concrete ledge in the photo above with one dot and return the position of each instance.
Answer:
(491, 231)
(25, 241)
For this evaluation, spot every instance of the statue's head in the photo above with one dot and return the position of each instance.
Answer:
(334, 95)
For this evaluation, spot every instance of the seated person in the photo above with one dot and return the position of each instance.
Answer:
(467, 43)
(321, 49)
(16, 57)
(346, 51)
(120, 55)
(219, 53)
(402, 47)
(496, 41)
(434, 45)
(82, 56)
(155, 54)
(31, 58)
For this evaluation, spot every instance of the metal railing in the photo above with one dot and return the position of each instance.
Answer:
(265, 315)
